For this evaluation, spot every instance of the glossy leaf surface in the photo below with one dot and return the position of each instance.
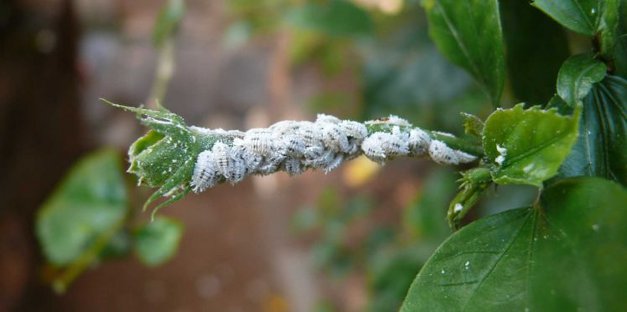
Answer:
(527, 146)
(576, 77)
(469, 34)
(581, 16)
(601, 149)
(564, 254)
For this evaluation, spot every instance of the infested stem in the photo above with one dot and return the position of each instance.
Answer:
(178, 158)
(458, 143)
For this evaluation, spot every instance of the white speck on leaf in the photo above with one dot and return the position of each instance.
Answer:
(595, 227)
(467, 265)
(442, 271)
(502, 154)
(458, 207)
(528, 168)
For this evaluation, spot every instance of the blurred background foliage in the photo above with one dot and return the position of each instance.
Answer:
(382, 48)
(384, 44)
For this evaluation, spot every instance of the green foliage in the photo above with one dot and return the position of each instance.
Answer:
(403, 75)
(582, 16)
(588, 17)
(473, 125)
(560, 254)
(87, 207)
(620, 49)
(469, 34)
(609, 27)
(87, 220)
(601, 149)
(576, 77)
(527, 146)
(157, 241)
(166, 155)
(333, 17)
(474, 183)
(168, 21)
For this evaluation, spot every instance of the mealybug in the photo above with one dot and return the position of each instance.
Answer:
(205, 173)
(443, 154)
(419, 141)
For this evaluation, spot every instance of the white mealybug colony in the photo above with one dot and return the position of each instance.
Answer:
(295, 146)
(442, 154)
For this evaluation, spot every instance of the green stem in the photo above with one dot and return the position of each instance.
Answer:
(164, 71)
(65, 278)
(457, 143)
(452, 141)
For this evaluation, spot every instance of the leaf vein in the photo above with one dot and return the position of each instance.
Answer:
(500, 257)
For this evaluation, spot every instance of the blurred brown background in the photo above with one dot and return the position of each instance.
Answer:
(58, 57)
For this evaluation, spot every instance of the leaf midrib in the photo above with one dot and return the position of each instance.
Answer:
(496, 263)
(585, 16)
(533, 150)
(453, 31)
(577, 84)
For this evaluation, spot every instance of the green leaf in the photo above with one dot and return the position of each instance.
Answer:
(577, 76)
(581, 16)
(87, 207)
(166, 155)
(168, 20)
(609, 27)
(473, 125)
(601, 149)
(157, 241)
(527, 146)
(469, 34)
(620, 49)
(599, 18)
(335, 17)
(556, 102)
(565, 254)
(536, 48)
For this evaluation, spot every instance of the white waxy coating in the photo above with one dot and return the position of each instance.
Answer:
(205, 174)
(419, 142)
(502, 154)
(295, 146)
(381, 146)
(442, 154)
